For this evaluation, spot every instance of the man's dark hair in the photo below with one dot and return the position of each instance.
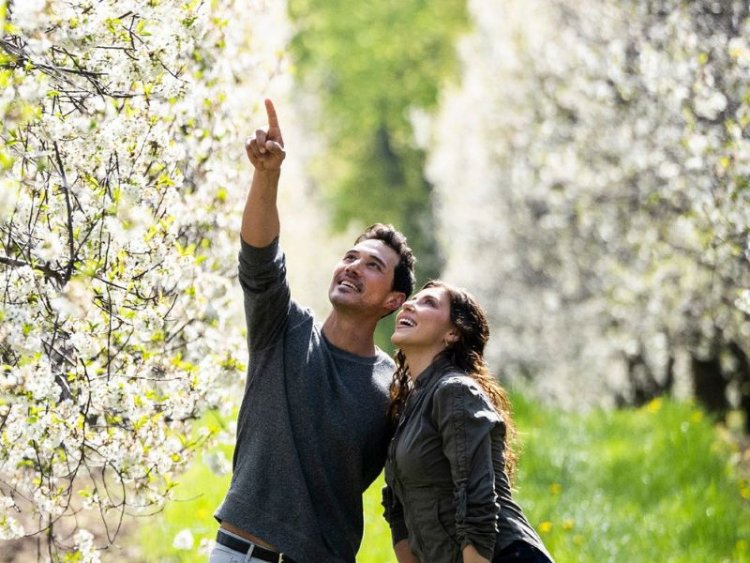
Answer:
(403, 275)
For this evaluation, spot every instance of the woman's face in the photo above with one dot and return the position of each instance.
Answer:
(425, 321)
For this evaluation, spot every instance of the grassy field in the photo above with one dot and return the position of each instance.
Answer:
(654, 484)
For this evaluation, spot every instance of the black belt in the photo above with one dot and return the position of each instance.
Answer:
(243, 546)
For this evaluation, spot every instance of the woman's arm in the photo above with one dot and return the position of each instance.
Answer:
(404, 553)
(471, 555)
(394, 515)
(465, 419)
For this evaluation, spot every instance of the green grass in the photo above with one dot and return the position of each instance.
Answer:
(653, 484)
(196, 497)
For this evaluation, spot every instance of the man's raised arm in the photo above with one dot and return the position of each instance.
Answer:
(260, 220)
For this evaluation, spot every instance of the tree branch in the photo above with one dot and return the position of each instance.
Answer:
(46, 270)
(68, 206)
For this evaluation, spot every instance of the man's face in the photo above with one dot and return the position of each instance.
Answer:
(363, 278)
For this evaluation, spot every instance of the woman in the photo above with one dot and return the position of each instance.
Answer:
(450, 464)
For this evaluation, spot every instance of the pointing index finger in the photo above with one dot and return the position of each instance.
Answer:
(273, 120)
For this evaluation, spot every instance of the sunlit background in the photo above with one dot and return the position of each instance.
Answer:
(582, 166)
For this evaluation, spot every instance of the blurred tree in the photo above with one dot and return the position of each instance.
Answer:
(605, 216)
(376, 66)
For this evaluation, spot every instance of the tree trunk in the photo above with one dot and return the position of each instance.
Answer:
(644, 385)
(709, 384)
(742, 377)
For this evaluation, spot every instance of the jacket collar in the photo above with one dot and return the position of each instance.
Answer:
(431, 373)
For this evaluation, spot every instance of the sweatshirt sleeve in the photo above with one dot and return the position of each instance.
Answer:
(394, 515)
(465, 418)
(262, 276)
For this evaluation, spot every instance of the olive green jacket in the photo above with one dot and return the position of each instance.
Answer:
(446, 486)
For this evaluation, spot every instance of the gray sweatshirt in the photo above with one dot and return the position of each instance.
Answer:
(312, 431)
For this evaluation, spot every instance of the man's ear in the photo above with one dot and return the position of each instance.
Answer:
(395, 300)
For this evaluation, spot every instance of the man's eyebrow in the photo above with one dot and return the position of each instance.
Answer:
(370, 255)
(378, 260)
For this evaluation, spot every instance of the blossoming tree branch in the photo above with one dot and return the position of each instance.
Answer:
(607, 168)
(120, 122)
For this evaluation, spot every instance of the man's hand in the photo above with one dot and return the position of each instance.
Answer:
(266, 149)
(260, 220)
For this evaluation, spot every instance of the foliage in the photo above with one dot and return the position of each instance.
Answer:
(184, 532)
(660, 483)
(119, 131)
(655, 484)
(375, 70)
(604, 216)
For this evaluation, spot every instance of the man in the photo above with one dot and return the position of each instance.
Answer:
(312, 430)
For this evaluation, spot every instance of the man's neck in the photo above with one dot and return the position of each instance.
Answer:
(352, 334)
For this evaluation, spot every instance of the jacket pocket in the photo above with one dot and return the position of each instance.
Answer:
(434, 534)
(445, 515)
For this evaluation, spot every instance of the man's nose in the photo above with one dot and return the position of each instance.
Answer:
(353, 267)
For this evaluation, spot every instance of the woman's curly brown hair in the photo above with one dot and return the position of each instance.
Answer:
(466, 354)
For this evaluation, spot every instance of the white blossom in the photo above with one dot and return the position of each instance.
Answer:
(120, 194)
(183, 540)
(217, 462)
(603, 209)
(84, 543)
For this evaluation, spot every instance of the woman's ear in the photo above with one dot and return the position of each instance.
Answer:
(451, 337)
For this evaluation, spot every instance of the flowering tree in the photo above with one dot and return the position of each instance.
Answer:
(119, 159)
(603, 207)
